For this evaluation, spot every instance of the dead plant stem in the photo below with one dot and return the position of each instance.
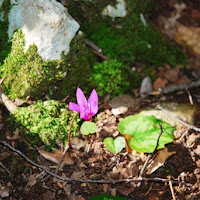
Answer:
(67, 145)
(139, 179)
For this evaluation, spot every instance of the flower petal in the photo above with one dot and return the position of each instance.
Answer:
(82, 101)
(93, 102)
(84, 114)
(74, 107)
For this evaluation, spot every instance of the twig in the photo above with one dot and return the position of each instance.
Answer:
(189, 126)
(100, 54)
(93, 45)
(183, 86)
(139, 179)
(172, 189)
(2, 80)
(67, 145)
(151, 154)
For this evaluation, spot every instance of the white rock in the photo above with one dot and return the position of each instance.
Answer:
(118, 11)
(1, 2)
(45, 23)
(119, 110)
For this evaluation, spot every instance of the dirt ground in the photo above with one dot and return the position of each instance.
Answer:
(21, 180)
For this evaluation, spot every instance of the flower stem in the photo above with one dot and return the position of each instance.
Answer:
(68, 145)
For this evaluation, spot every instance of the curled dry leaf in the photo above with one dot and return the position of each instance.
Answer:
(159, 83)
(55, 157)
(189, 37)
(159, 160)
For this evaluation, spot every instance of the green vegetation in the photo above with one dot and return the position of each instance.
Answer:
(144, 131)
(129, 40)
(28, 75)
(5, 45)
(50, 120)
(111, 77)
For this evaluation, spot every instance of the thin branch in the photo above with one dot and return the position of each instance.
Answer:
(183, 86)
(151, 154)
(67, 145)
(2, 80)
(189, 126)
(140, 179)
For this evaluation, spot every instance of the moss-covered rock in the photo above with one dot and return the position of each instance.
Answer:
(50, 120)
(28, 75)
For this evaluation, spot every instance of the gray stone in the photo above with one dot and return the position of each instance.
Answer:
(146, 87)
(45, 23)
(118, 11)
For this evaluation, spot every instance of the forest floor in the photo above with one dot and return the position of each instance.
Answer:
(22, 180)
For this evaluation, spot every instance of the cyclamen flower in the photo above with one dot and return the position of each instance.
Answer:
(87, 109)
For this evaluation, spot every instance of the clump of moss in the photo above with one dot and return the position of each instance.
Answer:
(28, 75)
(111, 77)
(5, 45)
(50, 120)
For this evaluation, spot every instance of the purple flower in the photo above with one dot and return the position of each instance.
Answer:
(87, 109)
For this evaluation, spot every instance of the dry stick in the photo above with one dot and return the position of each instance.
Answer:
(151, 154)
(68, 145)
(174, 88)
(172, 190)
(189, 126)
(140, 179)
(2, 80)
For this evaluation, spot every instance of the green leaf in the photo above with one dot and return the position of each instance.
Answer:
(145, 131)
(116, 145)
(88, 128)
(106, 197)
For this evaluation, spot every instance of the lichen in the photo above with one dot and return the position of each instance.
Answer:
(50, 120)
(28, 75)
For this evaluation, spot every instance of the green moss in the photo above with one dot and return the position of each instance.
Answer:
(50, 120)
(5, 46)
(129, 40)
(28, 75)
(111, 77)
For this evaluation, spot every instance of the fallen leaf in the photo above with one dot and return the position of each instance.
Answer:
(172, 75)
(189, 37)
(159, 160)
(55, 157)
(61, 183)
(122, 101)
(77, 143)
(159, 83)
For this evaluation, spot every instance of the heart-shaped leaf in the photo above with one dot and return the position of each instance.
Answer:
(88, 128)
(145, 131)
(116, 145)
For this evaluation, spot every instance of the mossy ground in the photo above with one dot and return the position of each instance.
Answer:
(49, 120)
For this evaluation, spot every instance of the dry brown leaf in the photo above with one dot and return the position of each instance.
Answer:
(159, 160)
(61, 183)
(55, 157)
(77, 143)
(172, 75)
(189, 37)
(127, 138)
(159, 83)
